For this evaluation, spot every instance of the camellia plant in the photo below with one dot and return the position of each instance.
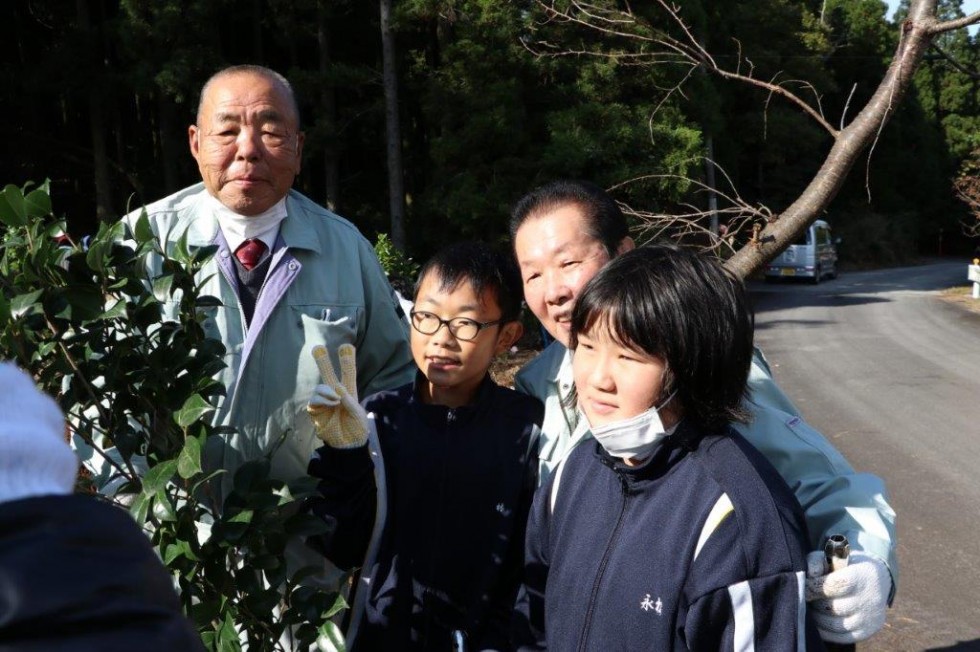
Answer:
(139, 392)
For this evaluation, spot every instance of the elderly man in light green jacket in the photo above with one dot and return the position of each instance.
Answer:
(289, 274)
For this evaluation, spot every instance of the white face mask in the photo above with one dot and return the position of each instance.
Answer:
(238, 228)
(636, 437)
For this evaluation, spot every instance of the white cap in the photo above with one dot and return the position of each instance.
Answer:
(35, 459)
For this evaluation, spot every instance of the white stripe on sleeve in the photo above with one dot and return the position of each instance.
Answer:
(801, 611)
(722, 508)
(744, 617)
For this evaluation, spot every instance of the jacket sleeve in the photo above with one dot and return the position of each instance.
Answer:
(384, 360)
(347, 499)
(835, 498)
(501, 612)
(742, 595)
(762, 613)
(529, 633)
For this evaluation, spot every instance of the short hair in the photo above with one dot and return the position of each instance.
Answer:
(606, 222)
(686, 309)
(487, 270)
(251, 69)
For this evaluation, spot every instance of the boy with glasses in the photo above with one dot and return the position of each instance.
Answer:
(437, 521)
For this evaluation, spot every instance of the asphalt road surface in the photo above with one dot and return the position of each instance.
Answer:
(890, 374)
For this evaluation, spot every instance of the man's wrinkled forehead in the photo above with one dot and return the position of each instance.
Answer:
(226, 97)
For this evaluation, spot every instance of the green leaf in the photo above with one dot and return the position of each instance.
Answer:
(23, 303)
(38, 203)
(194, 408)
(339, 604)
(179, 548)
(118, 309)
(141, 507)
(181, 254)
(329, 637)
(189, 461)
(143, 232)
(162, 285)
(97, 254)
(158, 477)
(228, 635)
(13, 212)
(244, 516)
(163, 508)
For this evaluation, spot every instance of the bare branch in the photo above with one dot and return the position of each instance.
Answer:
(950, 25)
(672, 50)
(770, 233)
(956, 64)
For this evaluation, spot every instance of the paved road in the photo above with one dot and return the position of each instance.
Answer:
(891, 375)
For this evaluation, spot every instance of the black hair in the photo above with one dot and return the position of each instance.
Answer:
(606, 222)
(487, 270)
(686, 309)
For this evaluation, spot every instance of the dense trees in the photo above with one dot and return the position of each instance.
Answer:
(98, 96)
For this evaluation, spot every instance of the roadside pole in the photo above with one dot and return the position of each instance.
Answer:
(973, 274)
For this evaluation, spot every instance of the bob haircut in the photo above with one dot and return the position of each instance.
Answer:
(605, 222)
(687, 310)
(487, 270)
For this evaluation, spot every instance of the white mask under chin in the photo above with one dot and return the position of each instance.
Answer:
(636, 437)
(239, 228)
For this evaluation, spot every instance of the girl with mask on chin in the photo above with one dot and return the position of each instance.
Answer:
(666, 530)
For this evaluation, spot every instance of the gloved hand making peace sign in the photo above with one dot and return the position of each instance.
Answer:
(338, 418)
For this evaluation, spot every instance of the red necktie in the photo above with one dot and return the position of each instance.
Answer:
(249, 253)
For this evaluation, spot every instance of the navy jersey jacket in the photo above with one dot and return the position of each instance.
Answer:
(459, 488)
(700, 548)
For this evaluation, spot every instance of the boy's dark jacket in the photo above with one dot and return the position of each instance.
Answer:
(459, 486)
(650, 557)
(78, 575)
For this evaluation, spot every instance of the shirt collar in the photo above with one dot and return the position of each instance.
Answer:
(239, 228)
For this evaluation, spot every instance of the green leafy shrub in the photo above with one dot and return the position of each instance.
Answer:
(87, 324)
(401, 269)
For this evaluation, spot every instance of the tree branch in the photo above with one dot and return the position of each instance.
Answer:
(956, 64)
(950, 25)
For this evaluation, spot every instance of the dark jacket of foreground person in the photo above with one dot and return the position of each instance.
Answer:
(77, 575)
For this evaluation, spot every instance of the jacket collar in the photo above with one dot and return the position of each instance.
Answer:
(672, 450)
(439, 415)
(297, 231)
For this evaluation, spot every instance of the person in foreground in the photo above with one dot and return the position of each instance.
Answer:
(563, 233)
(76, 574)
(438, 529)
(694, 542)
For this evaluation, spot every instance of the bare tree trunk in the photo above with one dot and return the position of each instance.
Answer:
(169, 150)
(771, 234)
(396, 184)
(331, 155)
(849, 144)
(257, 12)
(100, 158)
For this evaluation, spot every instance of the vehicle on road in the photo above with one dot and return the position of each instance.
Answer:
(813, 256)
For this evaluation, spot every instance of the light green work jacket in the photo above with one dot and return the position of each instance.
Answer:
(324, 286)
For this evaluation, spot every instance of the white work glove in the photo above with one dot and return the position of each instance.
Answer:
(338, 418)
(847, 605)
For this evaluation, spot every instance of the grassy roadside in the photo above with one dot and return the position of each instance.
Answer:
(961, 296)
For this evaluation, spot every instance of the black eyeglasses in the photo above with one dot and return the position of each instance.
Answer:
(462, 328)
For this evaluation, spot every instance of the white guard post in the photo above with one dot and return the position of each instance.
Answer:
(973, 274)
